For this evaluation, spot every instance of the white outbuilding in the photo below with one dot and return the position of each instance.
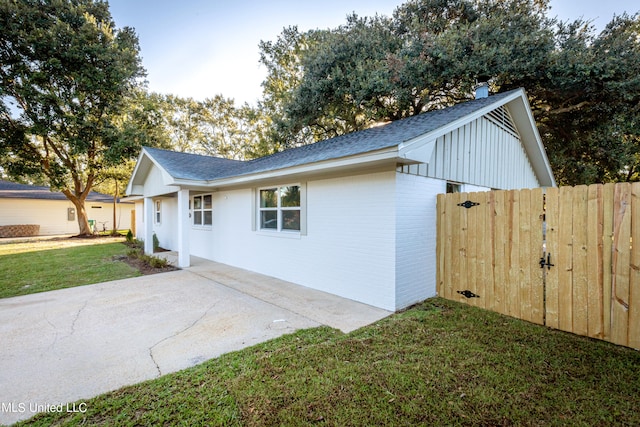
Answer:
(27, 210)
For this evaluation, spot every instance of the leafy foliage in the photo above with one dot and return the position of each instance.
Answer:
(65, 71)
(72, 110)
(584, 88)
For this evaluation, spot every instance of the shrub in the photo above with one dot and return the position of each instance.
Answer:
(156, 243)
(134, 253)
(156, 262)
(129, 236)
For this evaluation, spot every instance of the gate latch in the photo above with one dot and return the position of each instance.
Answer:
(468, 204)
(546, 262)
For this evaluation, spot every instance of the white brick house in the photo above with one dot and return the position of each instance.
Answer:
(353, 215)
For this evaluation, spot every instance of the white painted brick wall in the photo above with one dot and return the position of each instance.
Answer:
(416, 238)
(370, 238)
(167, 229)
(349, 246)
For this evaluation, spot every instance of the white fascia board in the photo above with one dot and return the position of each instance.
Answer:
(194, 185)
(341, 163)
(131, 198)
(129, 188)
(533, 144)
(420, 149)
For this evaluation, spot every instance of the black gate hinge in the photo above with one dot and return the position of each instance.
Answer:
(468, 294)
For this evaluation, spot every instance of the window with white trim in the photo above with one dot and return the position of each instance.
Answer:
(157, 211)
(279, 208)
(202, 210)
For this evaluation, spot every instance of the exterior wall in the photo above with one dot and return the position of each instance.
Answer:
(139, 208)
(481, 153)
(51, 215)
(153, 184)
(167, 229)
(349, 248)
(416, 238)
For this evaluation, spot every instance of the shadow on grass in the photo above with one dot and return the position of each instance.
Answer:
(50, 269)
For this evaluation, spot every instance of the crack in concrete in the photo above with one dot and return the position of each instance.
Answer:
(55, 331)
(75, 319)
(194, 323)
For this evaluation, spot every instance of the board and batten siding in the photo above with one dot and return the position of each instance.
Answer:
(487, 152)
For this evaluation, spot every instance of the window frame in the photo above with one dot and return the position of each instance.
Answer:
(202, 210)
(279, 210)
(157, 212)
(453, 187)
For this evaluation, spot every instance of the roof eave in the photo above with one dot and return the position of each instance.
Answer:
(533, 142)
(168, 179)
(387, 155)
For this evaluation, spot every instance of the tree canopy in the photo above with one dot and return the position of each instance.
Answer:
(65, 73)
(583, 87)
(73, 111)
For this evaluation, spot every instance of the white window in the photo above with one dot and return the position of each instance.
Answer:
(279, 208)
(202, 210)
(157, 211)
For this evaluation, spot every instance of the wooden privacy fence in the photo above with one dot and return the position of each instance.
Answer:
(567, 258)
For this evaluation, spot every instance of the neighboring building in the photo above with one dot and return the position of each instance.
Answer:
(354, 215)
(37, 205)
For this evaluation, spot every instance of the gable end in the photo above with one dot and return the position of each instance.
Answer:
(485, 152)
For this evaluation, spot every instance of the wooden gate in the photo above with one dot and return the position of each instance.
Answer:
(561, 257)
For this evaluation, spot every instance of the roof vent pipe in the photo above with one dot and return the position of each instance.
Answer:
(482, 91)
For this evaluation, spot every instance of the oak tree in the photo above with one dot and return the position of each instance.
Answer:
(65, 73)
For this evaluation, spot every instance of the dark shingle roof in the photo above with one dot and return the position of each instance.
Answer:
(194, 166)
(198, 167)
(13, 190)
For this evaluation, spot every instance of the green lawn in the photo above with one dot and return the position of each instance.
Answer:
(439, 363)
(27, 268)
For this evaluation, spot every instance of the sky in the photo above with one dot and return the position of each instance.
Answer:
(202, 48)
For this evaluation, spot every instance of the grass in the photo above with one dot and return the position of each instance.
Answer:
(31, 267)
(439, 363)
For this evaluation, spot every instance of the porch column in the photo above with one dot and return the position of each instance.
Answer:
(183, 229)
(147, 213)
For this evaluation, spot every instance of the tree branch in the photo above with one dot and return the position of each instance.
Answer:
(568, 109)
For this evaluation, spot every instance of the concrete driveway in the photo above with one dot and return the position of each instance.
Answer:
(62, 346)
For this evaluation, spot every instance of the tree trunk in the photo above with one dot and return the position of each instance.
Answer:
(83, 220)
(81, 213)
(114, 231)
